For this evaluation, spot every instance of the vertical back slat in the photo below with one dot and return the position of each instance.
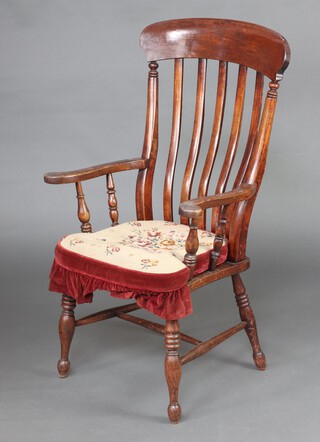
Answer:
(255, 118)
(175, 139)
(233, 140)
(215, 135)
(196, 134)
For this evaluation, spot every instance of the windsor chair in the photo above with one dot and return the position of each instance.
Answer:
(160, 262)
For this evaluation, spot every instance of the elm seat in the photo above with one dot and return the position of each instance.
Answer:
(218, 160)
(137, 259)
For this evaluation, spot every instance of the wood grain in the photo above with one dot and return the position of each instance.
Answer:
(255, 46)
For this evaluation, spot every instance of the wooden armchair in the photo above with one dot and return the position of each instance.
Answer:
(159, 263)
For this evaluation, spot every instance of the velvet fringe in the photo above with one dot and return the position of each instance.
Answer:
(170, 305)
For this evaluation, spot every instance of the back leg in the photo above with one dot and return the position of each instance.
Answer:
(246, 315)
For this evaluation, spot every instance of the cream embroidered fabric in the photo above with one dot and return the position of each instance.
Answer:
(156, 247)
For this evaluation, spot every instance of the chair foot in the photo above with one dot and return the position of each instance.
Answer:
(173, 368)
(260, 360)
(174, 412)
(66, 331)
(63, 368)
(246, 315)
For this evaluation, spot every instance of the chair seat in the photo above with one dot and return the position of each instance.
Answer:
(138, 259)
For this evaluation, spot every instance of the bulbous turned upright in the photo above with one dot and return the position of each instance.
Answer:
(173, 368)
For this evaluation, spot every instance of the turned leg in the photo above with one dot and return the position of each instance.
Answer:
(173, 368)
(66, 330)
(246, 315)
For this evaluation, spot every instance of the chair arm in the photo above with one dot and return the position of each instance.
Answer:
(88, 173)
(193, 208)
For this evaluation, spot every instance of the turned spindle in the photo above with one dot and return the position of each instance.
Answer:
(192, 245)
(274, 86)
(83, 211)
(112, 200)
(153, 66)
(217, 243)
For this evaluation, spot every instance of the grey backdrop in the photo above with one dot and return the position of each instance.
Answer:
(72, 94)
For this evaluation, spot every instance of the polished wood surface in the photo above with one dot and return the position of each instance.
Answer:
(150, 147)
(215, 136)
(154, 326)
(247, 316)
(196, 135)
(112, 200)
(173, 369)
(234, 41)
(235, 158)
(174, 141)
(83, 211)
(88, 173)
(106, 314)
(67, 325)
(203, 347)
(193, 208)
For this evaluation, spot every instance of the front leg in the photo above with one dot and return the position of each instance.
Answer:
(173, 368)
(66, 331)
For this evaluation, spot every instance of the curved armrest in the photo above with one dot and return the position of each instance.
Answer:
(193, 208)
(88, 173)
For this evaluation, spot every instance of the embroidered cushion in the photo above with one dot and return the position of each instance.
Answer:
(140, 259)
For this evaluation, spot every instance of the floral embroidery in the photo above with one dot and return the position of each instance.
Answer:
(168, 243)
(147, 263)
(75, 241)
(155, 240)
(154, 233)
(110, 250)
(135, 223)
(206, 234)
(147, 246)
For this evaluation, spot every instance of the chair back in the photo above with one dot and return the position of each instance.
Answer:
(235, 150)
